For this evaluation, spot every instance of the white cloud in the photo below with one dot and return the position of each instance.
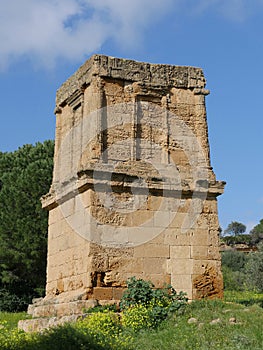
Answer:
(49, 29)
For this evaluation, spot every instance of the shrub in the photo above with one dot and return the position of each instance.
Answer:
(239, 239)
(233, 280)
(105, 328)
(10, 302)
(137, 317)
(234, 260)
(138, 292)
(254, 270)
(160, 303)
(101, 308)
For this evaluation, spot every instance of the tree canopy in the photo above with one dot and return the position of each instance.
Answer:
(257, 232)
(25, 175)
(235, 228)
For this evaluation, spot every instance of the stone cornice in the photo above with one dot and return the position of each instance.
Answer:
(133, 71)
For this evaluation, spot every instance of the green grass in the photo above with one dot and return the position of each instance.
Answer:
(175, 333)
(179, 334)
(10, 320)
(245, 298)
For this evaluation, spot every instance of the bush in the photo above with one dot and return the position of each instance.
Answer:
(65, 337)
(243, 271)
(105, 329)
(104, 323)
(233, 280)
(234, 260)
(138, 292)
(137, 317)
(233, 268)
(11, 302)
(254, 270)
(160, 303)
(239, 239)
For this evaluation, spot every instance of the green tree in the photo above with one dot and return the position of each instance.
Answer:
(25, 175)
(257, 233)
(233, 268)
(234, 229)
(254, 269)
(235, 260)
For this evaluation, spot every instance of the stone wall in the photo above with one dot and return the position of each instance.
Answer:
(133, 191)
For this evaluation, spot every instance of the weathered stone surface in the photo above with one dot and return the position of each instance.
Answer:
(208, 284)
(133, 191)
(38, 324)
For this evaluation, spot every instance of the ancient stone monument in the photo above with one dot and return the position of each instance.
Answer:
(133, 191)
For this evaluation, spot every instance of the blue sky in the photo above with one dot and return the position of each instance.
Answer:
(43, 42)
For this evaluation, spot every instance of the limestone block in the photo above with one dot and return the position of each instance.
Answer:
(200, 266)
(153, 203)
(177, 219)
(180, 252)
(181, 267)
(153, 250)
(210, 206)
(182, 282)
(55, 215)
(143, 216)
(103, 293)
(76, 282)
(213, 253)
(154, 265)
(117, 293)
(161, 219)
(199, 252)
(199, 238)
(176, 237)
(126, 264)
(158, 280)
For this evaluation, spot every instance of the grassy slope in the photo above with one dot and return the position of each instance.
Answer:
(10, 320)
(177, 333)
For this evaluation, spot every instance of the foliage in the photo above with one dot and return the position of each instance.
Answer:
(233, 268)
(101, 308)
(104, 327)
(137, 317)
(239, 239)
(25, 175)
(257, 233)
(234, 234)
(235, 228)
(67, 337)
(243, 271)
(234, 259)
(160, 303)
(10, 301)
(175, 333)
(233, 280)
(138, 292)
(254, 269)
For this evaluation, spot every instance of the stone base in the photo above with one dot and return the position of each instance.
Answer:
(41, 323)
(51, 312)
